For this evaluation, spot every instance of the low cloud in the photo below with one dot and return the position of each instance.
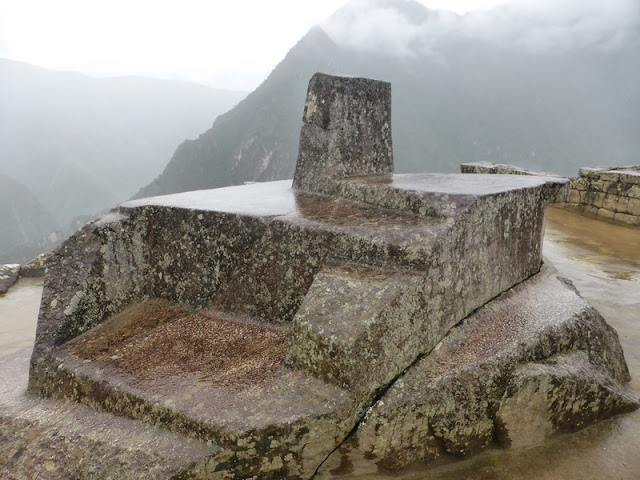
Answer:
(404, 27)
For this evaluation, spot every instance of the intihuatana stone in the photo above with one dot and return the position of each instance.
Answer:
(278, 325)
(346, 131)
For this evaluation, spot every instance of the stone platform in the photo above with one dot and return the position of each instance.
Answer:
(277, 323)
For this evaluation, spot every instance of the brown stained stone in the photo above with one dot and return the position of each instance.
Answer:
(214, 349)
(106, 340)
(156, 339)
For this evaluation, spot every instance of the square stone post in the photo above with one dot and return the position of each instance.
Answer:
(346, 131)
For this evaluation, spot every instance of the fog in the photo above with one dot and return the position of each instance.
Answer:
(532, 25)
(66, 139)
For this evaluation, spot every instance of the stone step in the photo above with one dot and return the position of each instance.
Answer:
(216, 377)
(57, 440)
(360, 327)
(442, 195)
(536, 361)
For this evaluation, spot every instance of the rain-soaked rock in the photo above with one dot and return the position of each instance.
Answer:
(8, 276)
(346, 131)
(36, 267)
(536, 361)
(278, 324)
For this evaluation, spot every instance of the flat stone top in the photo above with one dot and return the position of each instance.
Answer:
(257, 200)
(458, 184)
(225, 381)
(633, 170)
(278, 198)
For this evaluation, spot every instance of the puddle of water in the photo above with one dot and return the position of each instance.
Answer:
(598, 241)
(18, 315)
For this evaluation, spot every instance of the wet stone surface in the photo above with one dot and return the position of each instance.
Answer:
(346, 131)
(279, 324)
(8, 276)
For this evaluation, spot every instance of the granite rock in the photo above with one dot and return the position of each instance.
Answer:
(8, 276)
(534, 362)
(283, 325)
(36, 267)
(346, 131)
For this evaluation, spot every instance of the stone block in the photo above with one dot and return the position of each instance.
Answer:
(626, 218)
(634, 192)
(346, 131)
(598, 185)
(579, 183)
(441, 408)
(634, 206)
(574, 196)
(8, 276)
(630, 177)
(595, 198)
(623, 204)
(610, 176)
(611, 202)
(591, 210)
(604, 213)
(610, 187)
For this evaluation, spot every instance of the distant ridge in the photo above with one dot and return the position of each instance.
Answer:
(456, 99)
(27, 228)
(83, 144)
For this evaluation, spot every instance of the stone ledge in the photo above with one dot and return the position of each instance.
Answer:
(449, 405)
(612, 193)
(56, 440)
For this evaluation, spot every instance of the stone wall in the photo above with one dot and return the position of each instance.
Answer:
(612, 193)
(499, 168)
(606, 192)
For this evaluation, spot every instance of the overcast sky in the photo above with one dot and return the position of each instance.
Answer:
(228, 44)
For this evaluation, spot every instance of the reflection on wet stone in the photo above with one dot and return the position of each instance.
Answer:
(360, 321)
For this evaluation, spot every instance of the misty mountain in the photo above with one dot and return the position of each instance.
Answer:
(26, 227)
(546, 93)
(83, 144)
